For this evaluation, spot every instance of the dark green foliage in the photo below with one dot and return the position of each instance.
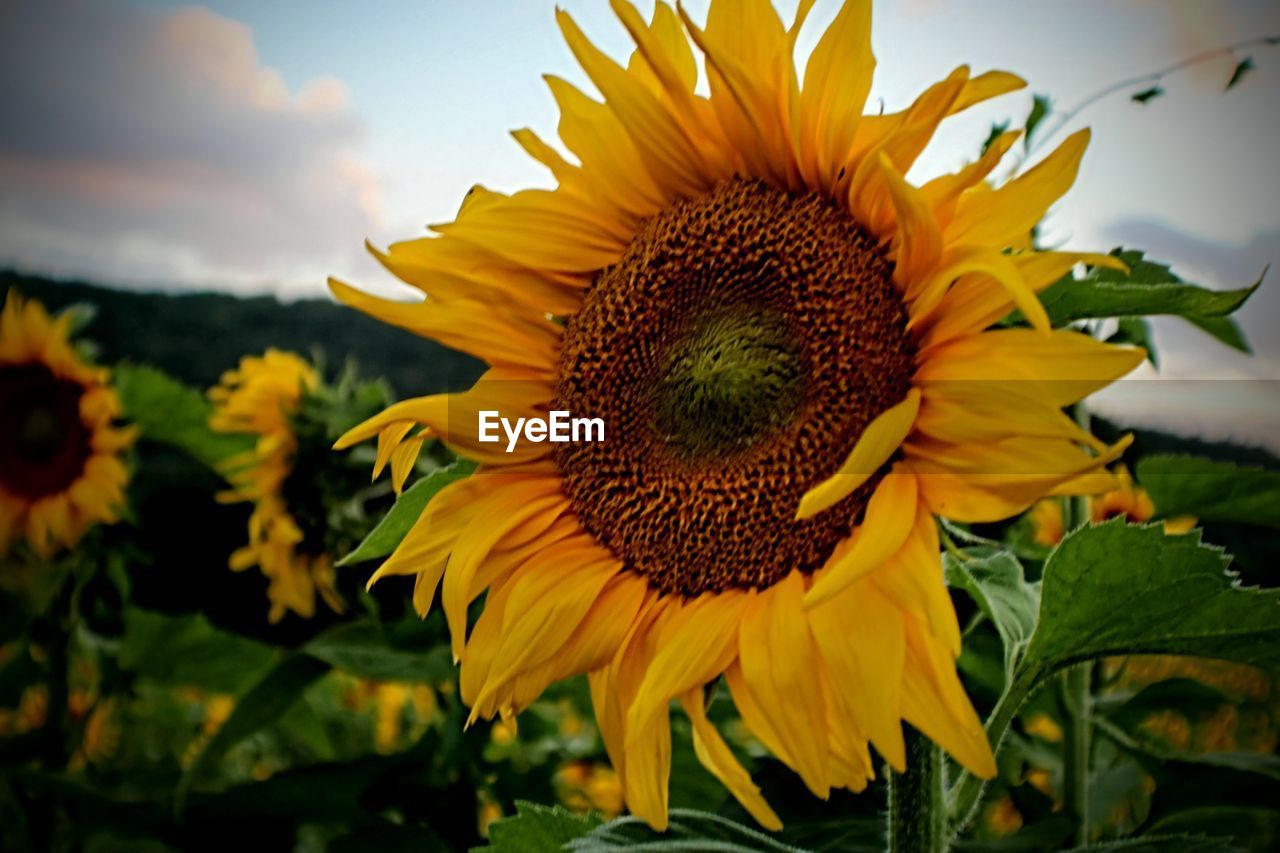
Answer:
(167, 412)
(1211, 490)
(196, 336)
(539, 829)
(396, 523)
(1243, 67)
(1146, 289)
(1041, 106)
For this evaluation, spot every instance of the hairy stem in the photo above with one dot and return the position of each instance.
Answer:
(966, 794)
(917, 802)
(1077, 698)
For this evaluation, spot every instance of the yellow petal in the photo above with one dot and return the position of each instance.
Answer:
(778, 659)
(861, 636)
(488, 332)
(918, 242)
(389, 438)
(837, 80)
(914, 580)
(715, 755)
(546, 601)
(672, 158)
(997, 218)
(494, 517)
(697, 644)
(890, 514)
(545, 154)
(965, 261)
(1060, 368)
(934, 701)
(404, 458)
(598, 139)
(877, 443)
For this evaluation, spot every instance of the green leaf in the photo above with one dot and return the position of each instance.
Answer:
(1041, 105)
(263, 703)
(168, 412)
(1164, 844)
(188, 651)
(362, 649)
(1223, 329)
(1257, 827)
(80, 315)
(1147, 289)
(1136, 331)
(1185, 695)
(1147, 95)
(539, 829)
(1243, 67)
(396, 524)
(1115, 589)
(1211, 490)
(997, 128)
(995, 581)
(688, 829)
(1196, 702)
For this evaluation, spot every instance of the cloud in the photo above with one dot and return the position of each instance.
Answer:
(156, 147)
(1208, 390)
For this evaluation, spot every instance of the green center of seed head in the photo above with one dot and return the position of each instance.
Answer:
(734, 379)
(40, 434)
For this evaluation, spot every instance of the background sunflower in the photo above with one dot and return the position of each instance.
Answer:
(304, 500)
(61, 470)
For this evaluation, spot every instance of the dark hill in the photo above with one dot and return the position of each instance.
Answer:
(196, 336)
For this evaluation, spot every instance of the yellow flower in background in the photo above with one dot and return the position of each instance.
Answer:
(1002, 817)
(790, 348)
(390, 700)
(1130, 501)
(585, 786)
(259, 398)
(1043, 726)
(1047, 524)
(60, 466)
(1127, 500)
(101, 739)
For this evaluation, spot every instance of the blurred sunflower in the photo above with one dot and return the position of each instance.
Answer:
(789, 346)
(60, 448)
(260, 398)
(1126, 500)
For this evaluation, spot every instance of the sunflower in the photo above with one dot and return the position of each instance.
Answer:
(791, 348)
(60, 448)
(1125, 500)
(260, 398)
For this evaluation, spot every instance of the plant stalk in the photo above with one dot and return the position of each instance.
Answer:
(1076, 698)
(917, 799)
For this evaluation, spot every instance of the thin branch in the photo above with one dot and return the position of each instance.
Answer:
(1062, 118)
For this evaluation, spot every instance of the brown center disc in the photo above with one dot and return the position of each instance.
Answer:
(44, 444)
(735, 353)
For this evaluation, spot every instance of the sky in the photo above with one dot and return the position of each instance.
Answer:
(252, 147)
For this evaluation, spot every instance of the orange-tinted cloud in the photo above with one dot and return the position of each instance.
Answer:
(127, 128)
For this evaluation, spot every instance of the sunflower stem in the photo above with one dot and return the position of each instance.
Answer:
(917, 799)
(1076, 745)
(1077, 699)
(57, 665)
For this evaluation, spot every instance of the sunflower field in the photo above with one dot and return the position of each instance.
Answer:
(851, 562)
